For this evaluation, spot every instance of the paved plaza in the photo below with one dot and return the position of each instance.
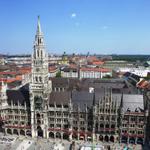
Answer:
(27, 143)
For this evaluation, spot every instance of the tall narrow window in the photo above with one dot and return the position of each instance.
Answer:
(40, 79)
(38, 53)
(36, 79)
(41, 53)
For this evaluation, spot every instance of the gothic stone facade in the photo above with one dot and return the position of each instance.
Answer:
(87, 109)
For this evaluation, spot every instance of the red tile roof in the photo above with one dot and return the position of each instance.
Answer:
(72, 66)
(8, 73)
(92, 58)
(52, 69)
(24, 70)
(96, 69)
(97, 63)
(143, 84)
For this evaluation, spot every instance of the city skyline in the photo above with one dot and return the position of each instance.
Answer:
(76, 26)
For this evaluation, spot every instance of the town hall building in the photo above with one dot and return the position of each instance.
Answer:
(81, 109)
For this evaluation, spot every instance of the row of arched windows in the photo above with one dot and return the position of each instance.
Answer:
(38, 79)
(39, 53)
(107, 126)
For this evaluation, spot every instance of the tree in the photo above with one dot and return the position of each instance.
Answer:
(107, 76)
(58, 74)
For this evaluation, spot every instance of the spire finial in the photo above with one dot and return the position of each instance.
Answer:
(39, 25)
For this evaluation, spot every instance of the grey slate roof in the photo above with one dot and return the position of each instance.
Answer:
(117, 85)
(80, 99)
(16, 96)
(59, 97)
(132, 102)
(56, 82)
(81, 96)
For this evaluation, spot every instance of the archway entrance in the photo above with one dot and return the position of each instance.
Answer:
(15, 132)
(51, 135)
(22, 132)
(81, 136)
(89, 137)
(58, 135)
(9, 131)
(107, 126)
(39, 131)
(112, 138)
(28, 132)
(124, 139)
(65, 136)
(106, 138)
(101, 125)
(101, 138)
(75, 136)
(140, 141)
(132, 140)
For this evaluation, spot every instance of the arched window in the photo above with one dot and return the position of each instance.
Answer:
(40, 79)
(36, 79)
(107, 126)
(101, 118)
(41, 53)
(38, 115)
(39, 41)
(112, 126)
(38, 53)
(101, 125)
(107, 118)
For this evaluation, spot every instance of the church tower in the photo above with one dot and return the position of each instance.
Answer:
(40, 86)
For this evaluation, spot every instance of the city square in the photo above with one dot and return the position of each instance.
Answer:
(84, 81)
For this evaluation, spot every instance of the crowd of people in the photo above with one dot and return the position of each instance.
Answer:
(5, 140)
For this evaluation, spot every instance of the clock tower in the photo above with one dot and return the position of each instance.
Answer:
(40, 86)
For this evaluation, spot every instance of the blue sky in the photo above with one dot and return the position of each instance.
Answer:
(76, 26)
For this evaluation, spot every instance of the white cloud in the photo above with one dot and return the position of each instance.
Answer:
(73, 15)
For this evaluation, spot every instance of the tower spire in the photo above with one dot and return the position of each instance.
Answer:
(39, 26)
(40, 85)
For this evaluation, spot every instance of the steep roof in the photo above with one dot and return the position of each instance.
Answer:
(132, 102)
(117, 85)
(59, 97)
(18, 96)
